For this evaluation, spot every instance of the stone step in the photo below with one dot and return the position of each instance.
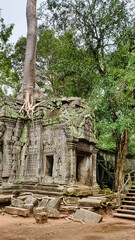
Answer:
(51, 189)
(128, 207)
(128, 202)
(128, 211)
(122, 215)
(130, 194)
(48, 193)
(133, 187)
(131, 191)
(128, 198)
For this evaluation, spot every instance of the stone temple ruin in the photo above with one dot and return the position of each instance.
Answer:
(57, 147)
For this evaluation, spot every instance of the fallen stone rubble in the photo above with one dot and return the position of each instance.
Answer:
(44, 207)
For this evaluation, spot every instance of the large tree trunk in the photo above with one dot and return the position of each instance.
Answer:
(30, 54)
(121, 152)
(30, 91)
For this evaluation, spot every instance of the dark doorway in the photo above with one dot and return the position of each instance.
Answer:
(79, 167)
(49, 166)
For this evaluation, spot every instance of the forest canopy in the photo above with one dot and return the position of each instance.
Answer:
(84, 49)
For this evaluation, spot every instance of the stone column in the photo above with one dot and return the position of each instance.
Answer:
(91, 169)
(7, 147)
(72, 161)
(94, 163)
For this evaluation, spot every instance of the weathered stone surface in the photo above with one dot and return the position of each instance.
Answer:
(5, 198)
(54, 203)
(70, 200)
(87, 216)
(40, 210)
(68, 208)
(53, 213)
(78, 191)
(43, 203)
(88, 202)
(41, 217)
(23, 197)
(31, 200)
(17, 211)
(29, 207)
(15, 202)
(45, 151)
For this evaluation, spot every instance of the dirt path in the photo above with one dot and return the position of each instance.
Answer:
(26, 229)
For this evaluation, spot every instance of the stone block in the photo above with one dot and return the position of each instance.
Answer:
(5, 198)
(78, 191)
(29, 207)
(40, 210)
(68, 208)
(43, 203)
(17, 211)
(15, 202)
(41, 217)
(31, 200)
(87, 216)
(53, 213)
(23, 197)
(70, 200)
(87, 202)
(54, 203)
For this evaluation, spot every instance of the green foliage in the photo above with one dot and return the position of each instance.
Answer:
(97, 24)
(8, 78)
(131, 147)
(115, 102)
(63, 68)
(90, 53)
(18, 57)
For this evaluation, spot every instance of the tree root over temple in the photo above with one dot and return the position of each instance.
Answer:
(28, 107)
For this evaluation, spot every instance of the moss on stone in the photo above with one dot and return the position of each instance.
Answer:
(23, 137)
(20, 180)
(13, 113)
(23, 153)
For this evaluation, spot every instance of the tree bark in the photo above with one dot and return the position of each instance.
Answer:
(30, 54)
(121, 152)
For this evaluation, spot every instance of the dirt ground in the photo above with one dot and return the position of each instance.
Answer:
(12, 228)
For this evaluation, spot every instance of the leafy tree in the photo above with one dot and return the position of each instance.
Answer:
(96, 23)
(64, 68)
(103, 28)
(18, 57)
(115, 112)
(8, 78)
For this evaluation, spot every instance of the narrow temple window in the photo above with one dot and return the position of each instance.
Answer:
(49, 166)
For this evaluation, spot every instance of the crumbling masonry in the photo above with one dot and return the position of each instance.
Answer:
(57, 146)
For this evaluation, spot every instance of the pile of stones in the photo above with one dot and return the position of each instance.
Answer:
(68, 207)
(27, 204)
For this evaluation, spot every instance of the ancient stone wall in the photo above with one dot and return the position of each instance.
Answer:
(56, 146)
